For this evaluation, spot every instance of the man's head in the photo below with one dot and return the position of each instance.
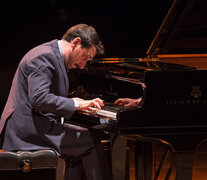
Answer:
(84, 45)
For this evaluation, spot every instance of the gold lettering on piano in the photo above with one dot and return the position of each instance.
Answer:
(196, 92)
(182, 102)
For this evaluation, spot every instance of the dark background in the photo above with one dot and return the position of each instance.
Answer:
(126, 27)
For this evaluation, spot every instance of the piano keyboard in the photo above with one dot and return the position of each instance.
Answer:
(109, 110)
(104, 113)
(106, 118)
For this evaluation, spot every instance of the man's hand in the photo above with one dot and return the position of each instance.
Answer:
(88, 104)
(128, 102)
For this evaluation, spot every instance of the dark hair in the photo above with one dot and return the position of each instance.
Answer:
(88, 35)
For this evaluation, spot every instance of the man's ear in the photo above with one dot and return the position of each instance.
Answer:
(76, 42)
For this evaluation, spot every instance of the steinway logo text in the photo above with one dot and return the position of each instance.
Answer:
(177, 102)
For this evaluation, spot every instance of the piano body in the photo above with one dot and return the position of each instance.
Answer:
(171, 81)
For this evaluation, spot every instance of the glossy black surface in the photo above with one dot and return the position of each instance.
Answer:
(174, 99)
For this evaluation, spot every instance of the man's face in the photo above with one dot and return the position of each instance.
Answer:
(78, 57)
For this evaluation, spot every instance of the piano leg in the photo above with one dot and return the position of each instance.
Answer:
(184, 165)
(119, 160)
(143, 160)
(138, 159)
(122, 146)
(148, 160)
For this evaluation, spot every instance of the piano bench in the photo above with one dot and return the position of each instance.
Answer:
(32, 165)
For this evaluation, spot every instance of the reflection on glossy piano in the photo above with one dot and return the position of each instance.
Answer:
(171, 81)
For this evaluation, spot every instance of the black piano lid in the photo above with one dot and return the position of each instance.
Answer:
(133, 64)
(184, 29)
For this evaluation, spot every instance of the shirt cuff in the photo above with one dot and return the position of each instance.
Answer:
(75, 104)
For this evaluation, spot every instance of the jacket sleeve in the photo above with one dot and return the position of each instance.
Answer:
(40, 80)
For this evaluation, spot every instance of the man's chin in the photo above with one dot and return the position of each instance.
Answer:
(71, 67)
(74, 67)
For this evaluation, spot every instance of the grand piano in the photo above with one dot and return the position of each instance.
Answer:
(170, 80)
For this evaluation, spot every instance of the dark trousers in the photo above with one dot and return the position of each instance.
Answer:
(85, 158)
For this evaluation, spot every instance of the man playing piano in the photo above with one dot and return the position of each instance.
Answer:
(37, 104)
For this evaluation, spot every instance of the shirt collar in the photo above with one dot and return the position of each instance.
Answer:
(62, 57)
(61, 49)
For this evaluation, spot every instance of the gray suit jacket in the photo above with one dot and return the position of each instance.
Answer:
(37, 100)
